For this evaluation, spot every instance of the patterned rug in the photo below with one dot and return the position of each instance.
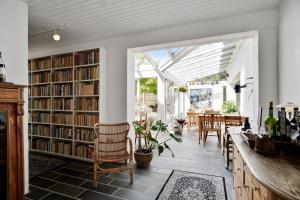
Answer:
(39, 164)
(192, 186)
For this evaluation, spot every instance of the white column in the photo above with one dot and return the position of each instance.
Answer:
(161, 98)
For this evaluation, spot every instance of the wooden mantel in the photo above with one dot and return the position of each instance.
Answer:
(279, 174)
(11, 103)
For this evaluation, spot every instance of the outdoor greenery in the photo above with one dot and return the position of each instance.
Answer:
(148, 85)
(183, 89)
(156, 139)
(229, 107)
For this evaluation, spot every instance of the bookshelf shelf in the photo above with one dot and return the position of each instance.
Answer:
(42, 70)
(91, 80)
(87, 65)
(61, 68)
(33, 84)
(64, 98)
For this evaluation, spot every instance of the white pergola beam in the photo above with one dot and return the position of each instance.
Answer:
(190, 78)
(185, 51)
(191, 66)
(170, 52)
(204, 57)
(203, 70)
(154, 65)
(209, 50)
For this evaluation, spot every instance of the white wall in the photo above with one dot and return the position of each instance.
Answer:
(241, 68)
(263, 21)
(289, 51)
(14, 48)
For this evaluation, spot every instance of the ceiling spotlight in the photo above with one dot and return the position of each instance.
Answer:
(56, 36)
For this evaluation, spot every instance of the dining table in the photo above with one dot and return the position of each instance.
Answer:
(200, 116)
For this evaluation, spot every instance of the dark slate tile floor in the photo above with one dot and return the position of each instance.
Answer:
(74, 180)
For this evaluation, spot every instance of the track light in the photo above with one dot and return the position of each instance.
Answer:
(56, 36)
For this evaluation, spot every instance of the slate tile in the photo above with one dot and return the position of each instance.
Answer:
(70, 172)
(41, 182)
(54, 196)
(126, 184)
(106, 189)
(91, 195)
(133, 195)
(70, 180)
(66, 189)
(36, 193)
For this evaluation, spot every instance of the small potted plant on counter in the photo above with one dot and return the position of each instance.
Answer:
(156, 138)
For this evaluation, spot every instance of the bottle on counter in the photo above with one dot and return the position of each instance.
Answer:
(296, 116)
(246, 125)
(2, 69)
(270, 123)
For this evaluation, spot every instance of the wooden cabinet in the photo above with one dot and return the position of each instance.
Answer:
(245, 185)
(11, 145)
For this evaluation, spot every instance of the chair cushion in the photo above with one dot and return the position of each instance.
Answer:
(114, 158)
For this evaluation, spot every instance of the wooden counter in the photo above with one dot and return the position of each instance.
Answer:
(269, 177)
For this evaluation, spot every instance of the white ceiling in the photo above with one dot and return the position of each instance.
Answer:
(97, 19)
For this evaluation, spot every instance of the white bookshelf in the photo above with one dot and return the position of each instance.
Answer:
(66, 141)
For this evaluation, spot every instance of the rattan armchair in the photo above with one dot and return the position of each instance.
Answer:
(111, 146)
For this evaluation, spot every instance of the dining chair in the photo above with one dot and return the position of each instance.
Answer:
(230, 121)
(111, 146)
(212, 123)
(192, 119)
(200, 120)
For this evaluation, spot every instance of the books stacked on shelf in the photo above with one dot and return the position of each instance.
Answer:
(42, 77)
(66, 75)
(62, 61)
(62, 104)
(29, 79)
(87, 57)
(87, 103)
(83, 151)
(41, 64)
(87, 73)
(62, 90)
(87, 88)
(41, 90)
(84, 119)
(62, 132)
(41, 144)
(29, 92)
(40, 130)
(43, 117)
(29, 65)
(41, 104)
(62, 147)
(62, 118)
(29, 117)
(84, 135)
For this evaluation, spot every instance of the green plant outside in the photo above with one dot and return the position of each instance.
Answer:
(183, 89)
(148, 85)
(229, 107)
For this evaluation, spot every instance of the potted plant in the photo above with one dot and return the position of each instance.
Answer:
(229, 107)
(183, 89)
(178, 128)
(156, 138)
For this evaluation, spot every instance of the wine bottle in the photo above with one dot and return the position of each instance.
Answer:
(2, 69)
(270, 123)
(296, 118)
